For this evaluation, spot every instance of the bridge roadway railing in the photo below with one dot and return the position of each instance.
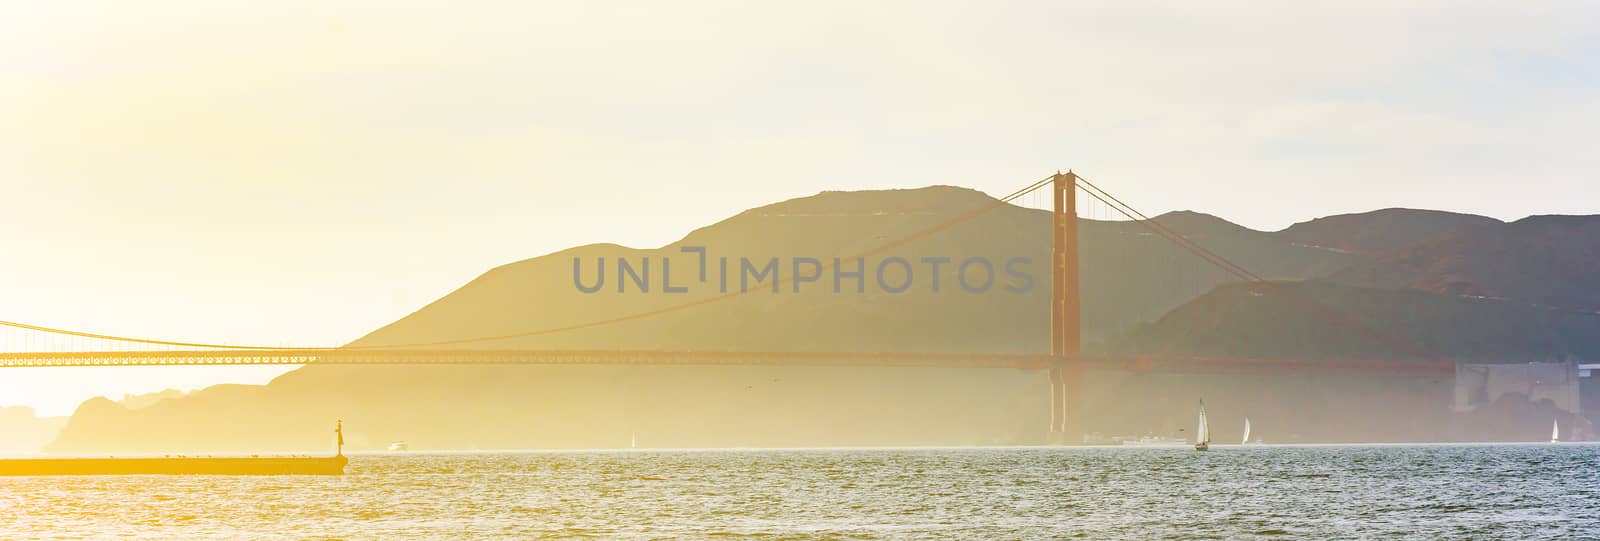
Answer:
(380, 356)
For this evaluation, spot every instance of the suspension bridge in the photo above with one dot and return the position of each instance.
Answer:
(35, 346)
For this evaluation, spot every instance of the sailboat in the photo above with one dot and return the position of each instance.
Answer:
(1246, 439)
(1555, 432)
(633, 440)
(1202, 437)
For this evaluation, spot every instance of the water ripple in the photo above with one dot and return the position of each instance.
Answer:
(1487, 491)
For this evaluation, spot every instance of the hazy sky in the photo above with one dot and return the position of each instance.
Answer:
(300, 172)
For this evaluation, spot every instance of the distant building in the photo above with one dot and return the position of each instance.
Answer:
(1589, 389)
(1479, 385)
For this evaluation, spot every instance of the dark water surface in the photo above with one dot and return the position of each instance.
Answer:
(1468, 491)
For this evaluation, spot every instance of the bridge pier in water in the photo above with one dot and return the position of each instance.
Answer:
(1066, 403)
(1066, 343)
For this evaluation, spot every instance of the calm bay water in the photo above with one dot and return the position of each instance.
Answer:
(1470, 491)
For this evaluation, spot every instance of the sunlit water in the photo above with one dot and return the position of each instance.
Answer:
(1489, 491)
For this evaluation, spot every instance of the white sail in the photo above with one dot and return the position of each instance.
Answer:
(1203, 434)
(633, 440)
(1555, 432)
(1246, 432)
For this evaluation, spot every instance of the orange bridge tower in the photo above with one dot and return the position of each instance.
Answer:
(1066, 375)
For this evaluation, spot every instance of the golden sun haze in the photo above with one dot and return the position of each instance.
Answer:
(302, 173)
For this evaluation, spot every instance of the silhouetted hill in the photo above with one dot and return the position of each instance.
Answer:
(1271, 321)
(136, 401)
(1129, 276)
(1381, 230)
(25, 432)
(1269, 255)
(1200, 225)
(1546, 260)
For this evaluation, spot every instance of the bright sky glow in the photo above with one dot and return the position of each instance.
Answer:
(303, 172)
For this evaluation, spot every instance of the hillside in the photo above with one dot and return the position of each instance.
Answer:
(1272, 321)
(1545, 260)
(25, 432)
(1128, 277)
(1139, 295)
(1381, 231)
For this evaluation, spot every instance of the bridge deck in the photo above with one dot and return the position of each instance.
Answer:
(378, 356)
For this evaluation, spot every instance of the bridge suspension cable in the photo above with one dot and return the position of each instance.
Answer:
(1329, 313)
(282, 354)
(133, 340)
(878, 249)
(1109, 201)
